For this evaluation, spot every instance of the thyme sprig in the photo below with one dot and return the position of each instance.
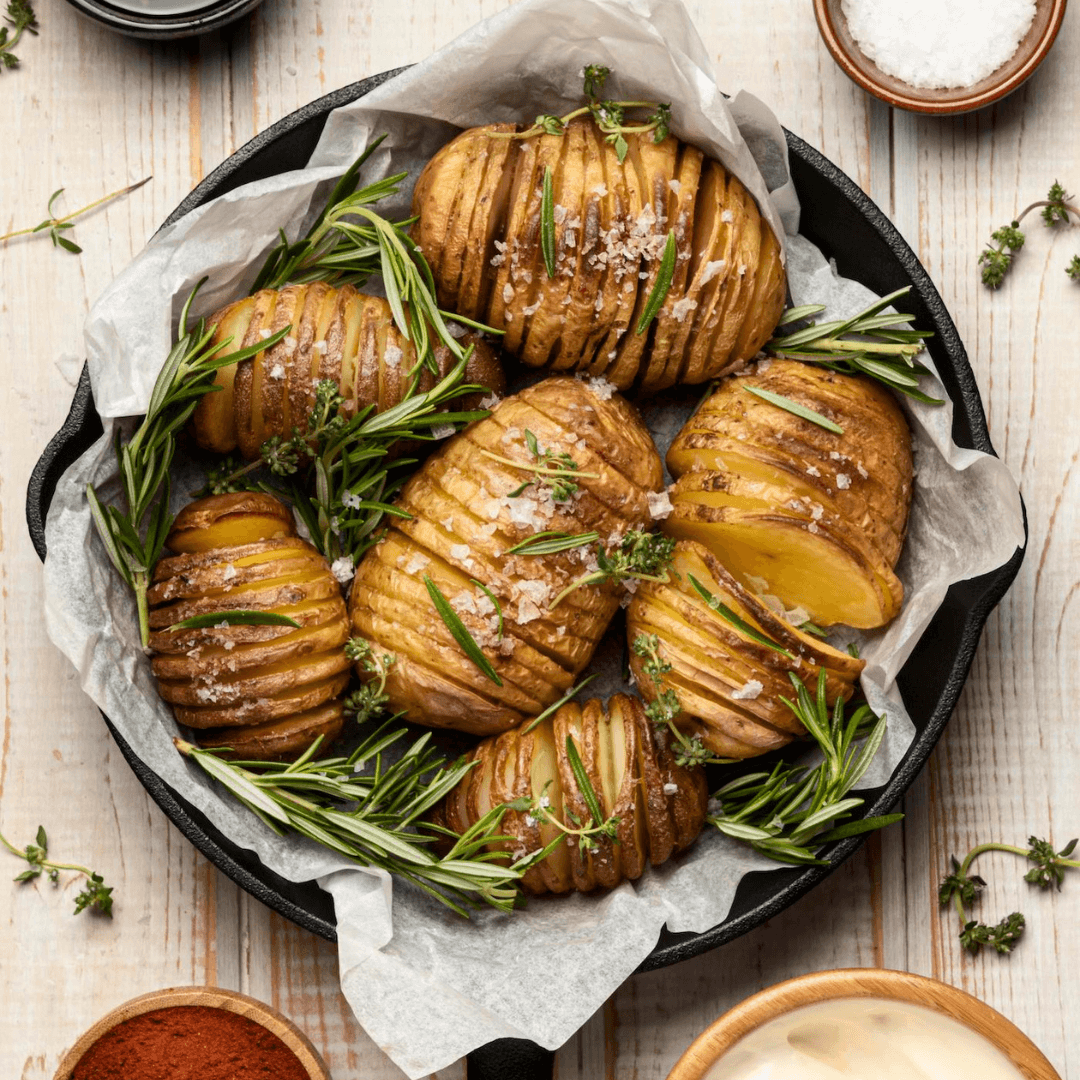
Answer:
(57, 226)
(639, 555)
(134, 537)
(609, 116)
(874, 342)
(790, 813)
(665, 708)
(996, 258)
(554, 470)
(20, 15)
(95, 895)
(373, 812)
(961, 888)
(349, 242)
(370, 699)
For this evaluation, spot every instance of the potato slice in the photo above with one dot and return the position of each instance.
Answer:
(277, 740)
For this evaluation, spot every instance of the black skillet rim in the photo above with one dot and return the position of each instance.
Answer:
(307, 905)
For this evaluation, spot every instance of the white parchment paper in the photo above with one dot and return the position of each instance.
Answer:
(427, 985)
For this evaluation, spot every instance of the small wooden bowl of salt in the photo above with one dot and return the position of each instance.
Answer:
(939, 56)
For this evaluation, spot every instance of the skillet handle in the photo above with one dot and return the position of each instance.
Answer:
(510, 1059)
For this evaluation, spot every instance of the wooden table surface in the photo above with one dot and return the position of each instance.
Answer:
(90, 111)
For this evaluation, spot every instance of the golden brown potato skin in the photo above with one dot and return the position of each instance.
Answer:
(265, 691)
(715, 666)
(463, 520)
(478, 201)
(660, 805)
(337, 334)
(782, 498)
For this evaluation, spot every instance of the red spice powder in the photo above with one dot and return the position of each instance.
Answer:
(189, 1042)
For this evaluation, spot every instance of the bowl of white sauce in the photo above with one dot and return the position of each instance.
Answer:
(939, 56)
(863, 1024)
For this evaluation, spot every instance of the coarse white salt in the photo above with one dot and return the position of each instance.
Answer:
(417, 562)
(750, 690)
(843, 481)
(343, 569)
(600, 386)
(277, 372)
(671, 789)
(659, 505)
(939, 43)
(710, 271)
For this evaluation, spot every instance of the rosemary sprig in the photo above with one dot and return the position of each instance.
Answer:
(58, 225)
(96, 895)
(791, 812)
(240, 617)
(134, 539)
(873, 343)
(552, 709)
(556, 471)
(609, 116)
(460, 632)
(376, 817)
(551, 542)
(21, 17)
(728, 615)
(997, 257)
(547, 222)
(349, 242)
(961, 888)
(640, 555)
(666, 707)
(794, 408)
(584, 834)
(665, 272)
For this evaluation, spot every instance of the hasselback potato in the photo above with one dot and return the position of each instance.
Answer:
(264, 691)
(813, 517)
(479, 206)
(729, 683)
(660, 805)
(468, 507)
(337, 334)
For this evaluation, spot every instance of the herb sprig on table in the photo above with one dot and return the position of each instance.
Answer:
(95, 894)
(20, 16)
(961, 888)
(134, 537)
(874, 343)
(997, 257)
(57, 226)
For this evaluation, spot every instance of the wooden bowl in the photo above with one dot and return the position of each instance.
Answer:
(781, 999)
(1029, 55)
(209, 997)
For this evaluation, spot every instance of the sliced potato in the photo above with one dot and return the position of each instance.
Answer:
(660, 805)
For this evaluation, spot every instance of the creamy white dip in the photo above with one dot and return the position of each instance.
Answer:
(863, 1039)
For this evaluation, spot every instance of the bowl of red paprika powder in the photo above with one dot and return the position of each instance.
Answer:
(193, 1033)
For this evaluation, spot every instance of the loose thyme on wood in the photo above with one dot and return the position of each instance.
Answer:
(95, 896)
(997, 257)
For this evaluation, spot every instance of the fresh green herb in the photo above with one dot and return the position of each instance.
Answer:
(239, 617)
(665, 707)
(547, 222)
(133, 540)
(551, 542)
(556, 471)
(853, 649)
(961, 888)
(791, 812)
(552, 709)
(96, 895)
(728, 615)
(874, 343)
(370, 700)
(1073, 269)
(460, 632)
(640, 555)
(350, 242)
(794, 408)
(495, 602)
(376, 816)
(57, 226)
(997, 257)
(658, 295)
(809, 627)
(609, 117)
(20, 15)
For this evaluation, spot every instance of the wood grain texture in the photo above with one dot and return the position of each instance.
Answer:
(93, 111)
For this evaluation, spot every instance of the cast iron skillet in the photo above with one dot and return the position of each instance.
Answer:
(845, 224)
